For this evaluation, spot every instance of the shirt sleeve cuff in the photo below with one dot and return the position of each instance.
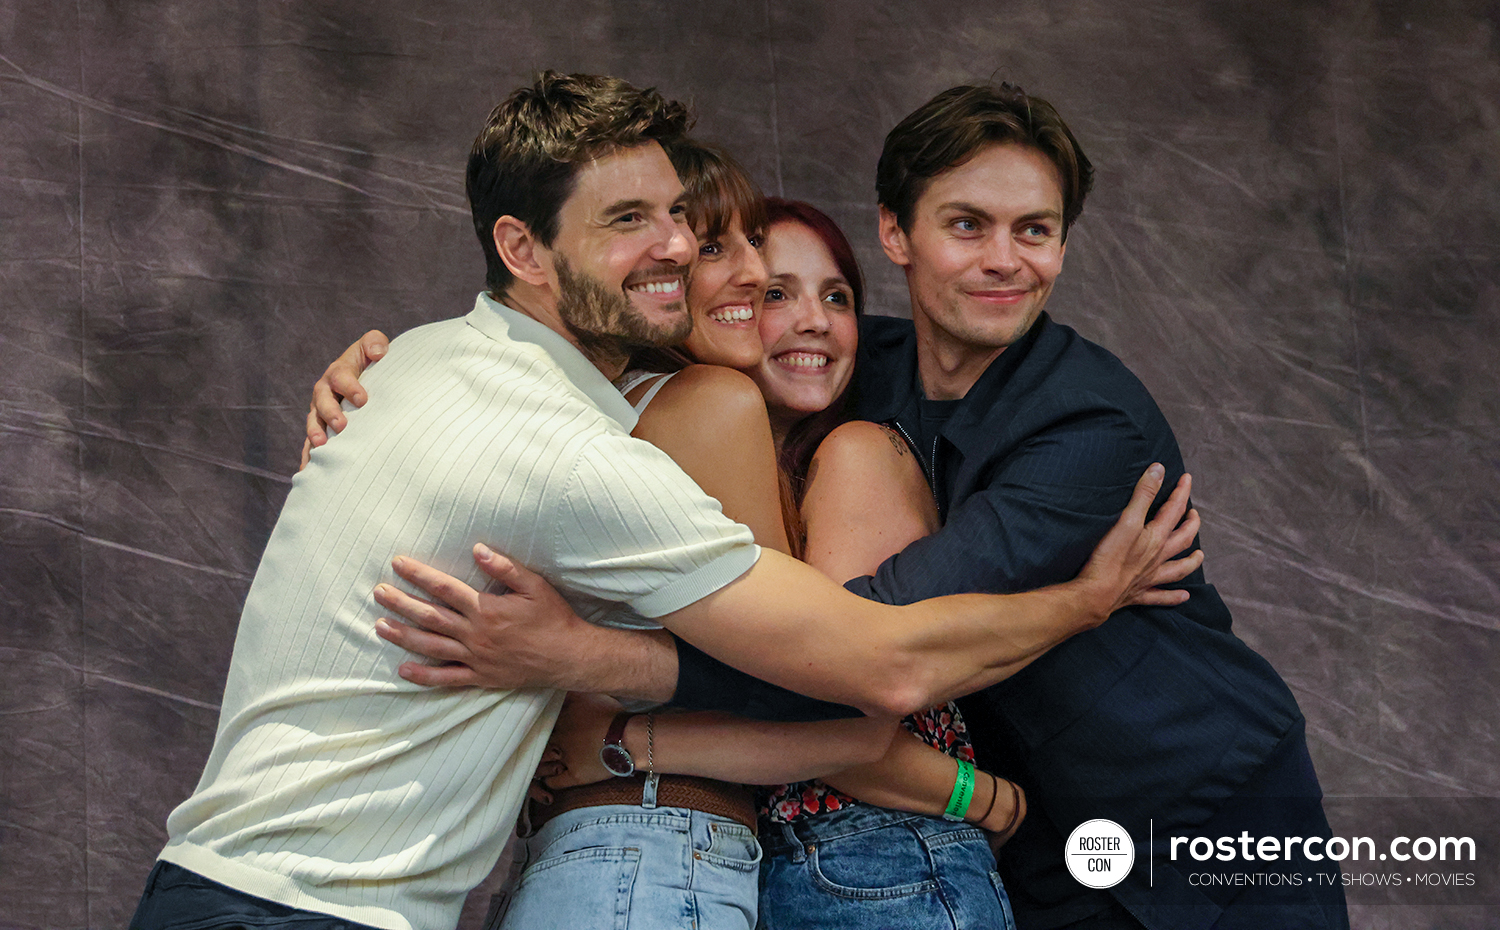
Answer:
(700, 584)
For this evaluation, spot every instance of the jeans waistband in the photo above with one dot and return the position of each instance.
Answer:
(782, 838)
(699, 794)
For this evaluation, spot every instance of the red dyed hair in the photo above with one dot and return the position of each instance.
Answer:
(802, 440)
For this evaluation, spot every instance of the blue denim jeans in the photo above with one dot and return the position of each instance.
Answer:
(632, 867)
(177, 899)
(867, 867)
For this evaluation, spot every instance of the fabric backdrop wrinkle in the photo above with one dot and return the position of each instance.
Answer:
(1294, 240)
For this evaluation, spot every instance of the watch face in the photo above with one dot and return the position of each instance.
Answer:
(617, 761)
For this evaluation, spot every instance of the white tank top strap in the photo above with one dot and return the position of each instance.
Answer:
(630, 379)
(640, 405)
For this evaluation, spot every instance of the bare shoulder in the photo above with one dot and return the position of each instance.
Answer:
(711, 391)
(860, 441)
(860, 454)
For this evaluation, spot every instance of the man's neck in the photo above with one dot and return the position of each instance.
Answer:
(949, 368)
(607, 355)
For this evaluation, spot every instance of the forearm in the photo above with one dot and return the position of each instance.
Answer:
(633, 665)
(913, 776)
(754, 752)
(883, 659)
(783, 621)
(962, 643)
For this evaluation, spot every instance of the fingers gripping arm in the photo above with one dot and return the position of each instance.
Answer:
(526, 637)
(340, 381)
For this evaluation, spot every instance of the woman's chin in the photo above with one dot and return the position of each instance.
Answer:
(797, 406)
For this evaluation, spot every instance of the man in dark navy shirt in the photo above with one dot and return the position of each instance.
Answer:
(1161, 720)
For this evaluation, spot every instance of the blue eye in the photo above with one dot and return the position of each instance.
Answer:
(775, 294)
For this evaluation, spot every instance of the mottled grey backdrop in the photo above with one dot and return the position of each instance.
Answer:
(1294, 240)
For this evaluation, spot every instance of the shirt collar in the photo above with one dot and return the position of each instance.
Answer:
(503, 324)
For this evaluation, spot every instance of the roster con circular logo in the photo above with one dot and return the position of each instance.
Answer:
(1100, 853)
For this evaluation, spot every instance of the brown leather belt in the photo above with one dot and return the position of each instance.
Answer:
(699, 794)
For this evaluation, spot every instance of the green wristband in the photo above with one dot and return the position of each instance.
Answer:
(963, 792)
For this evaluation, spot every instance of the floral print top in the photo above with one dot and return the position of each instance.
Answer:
(941, 727)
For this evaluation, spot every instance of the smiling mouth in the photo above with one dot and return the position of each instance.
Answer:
(672, 288)
(803, 361)
(1001, 297)
(737, 314)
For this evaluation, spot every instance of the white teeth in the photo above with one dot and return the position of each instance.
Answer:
(733, 315)
(804, 360)
(662, 287)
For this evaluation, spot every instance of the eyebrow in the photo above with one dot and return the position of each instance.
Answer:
(624, 206)
(1041, 215)
(960, 206)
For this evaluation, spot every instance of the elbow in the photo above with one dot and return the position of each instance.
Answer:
(901, 689)
(900, 699)
(893, 670)
(878, 746)
(869, 750)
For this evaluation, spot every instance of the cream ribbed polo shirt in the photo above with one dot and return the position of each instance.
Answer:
(337, 787)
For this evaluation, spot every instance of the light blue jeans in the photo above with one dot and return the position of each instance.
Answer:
(866, 868)
(631, 867)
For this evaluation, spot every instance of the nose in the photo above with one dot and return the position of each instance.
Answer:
(1000, 254)
(812, 317)
(751, 272)
(678, 244)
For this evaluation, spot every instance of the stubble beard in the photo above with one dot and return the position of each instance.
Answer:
(606, 325)
(979, 336)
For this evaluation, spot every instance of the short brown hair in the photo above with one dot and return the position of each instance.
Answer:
(952, 127)
(527, 156)
(718, 188)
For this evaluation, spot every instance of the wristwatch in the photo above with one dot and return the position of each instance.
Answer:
(613, 754)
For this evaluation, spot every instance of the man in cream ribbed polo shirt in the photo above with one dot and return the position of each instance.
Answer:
(335, 787)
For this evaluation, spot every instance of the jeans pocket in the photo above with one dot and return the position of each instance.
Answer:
(1010, 919)
(732, 845)
(886, 863)
(582, 888)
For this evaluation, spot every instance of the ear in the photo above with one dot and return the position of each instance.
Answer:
(892, 239)
(520, 251)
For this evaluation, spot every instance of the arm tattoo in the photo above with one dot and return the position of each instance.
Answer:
(896, 441)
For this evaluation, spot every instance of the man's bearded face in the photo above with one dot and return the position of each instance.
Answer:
(603, 318)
